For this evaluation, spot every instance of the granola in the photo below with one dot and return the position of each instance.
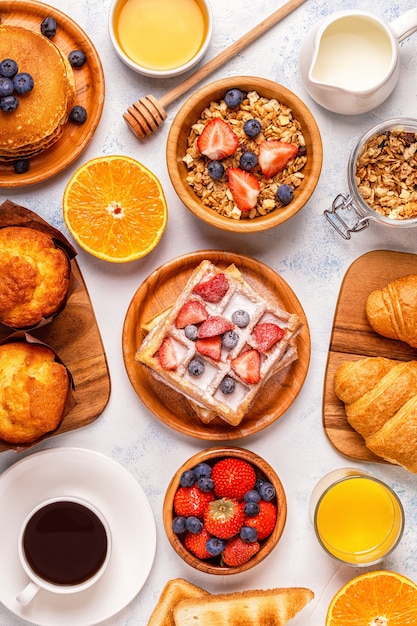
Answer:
(386, 174)
(277, 122)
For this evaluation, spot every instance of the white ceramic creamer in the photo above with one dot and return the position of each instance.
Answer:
(349, 63)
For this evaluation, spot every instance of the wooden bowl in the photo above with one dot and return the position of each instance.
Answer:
(263, 470)
(188, 115)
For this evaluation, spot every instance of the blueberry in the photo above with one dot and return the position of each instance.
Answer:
(248, 161)
(196, 367)
(215, 546)
(23, 82)
(240, 318)
(8, 68)
(77, 58)
(285, 194)
(227, 385)
(193, 525)
(78, 115)
(48, 27)
(21, 166)
(205, 483)
(202, 469)
(9, 103)
(259, 482)
(251, 509)
(6, 86)
(191, 332)
(215, 170)
(233, 98)
(230, 339)
(252, 496)
(188, 478)
(252, 127)
(267, 491)
(178, 525)
(248, 534)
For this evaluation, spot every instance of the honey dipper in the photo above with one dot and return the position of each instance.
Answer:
(147, 114)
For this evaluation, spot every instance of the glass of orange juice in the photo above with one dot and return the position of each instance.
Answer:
(358, 519)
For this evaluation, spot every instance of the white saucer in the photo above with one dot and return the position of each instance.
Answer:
(103, 482)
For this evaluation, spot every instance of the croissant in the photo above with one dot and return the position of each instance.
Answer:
(380, 397)
(392, 311)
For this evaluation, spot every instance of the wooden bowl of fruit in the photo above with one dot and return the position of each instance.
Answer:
(244, 154)
(224, 510)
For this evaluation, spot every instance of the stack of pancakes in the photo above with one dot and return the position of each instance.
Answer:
(39, 120)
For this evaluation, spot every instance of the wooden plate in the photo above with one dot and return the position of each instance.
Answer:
(352, 338)
(89, 83)
(157, 293)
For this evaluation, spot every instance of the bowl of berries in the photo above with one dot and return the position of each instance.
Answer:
(244, 154)
(224, 510)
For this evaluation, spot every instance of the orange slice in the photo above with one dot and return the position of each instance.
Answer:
(115, 208)
(377, 598)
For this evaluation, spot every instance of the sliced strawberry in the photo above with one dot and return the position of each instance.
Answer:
(244, 188)
(213, 326)
(266, 335)
(167, 356)
(210, 346)
(218, 140)
(274, 156)
(248, 366)
(213, 289)
(192, 312)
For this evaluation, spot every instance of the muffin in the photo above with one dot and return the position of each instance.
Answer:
(34, 389)
(34, 277)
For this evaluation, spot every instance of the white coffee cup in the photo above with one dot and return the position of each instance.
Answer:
(64, 547)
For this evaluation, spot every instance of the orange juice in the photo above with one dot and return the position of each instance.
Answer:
(161, 34)
(358, 520)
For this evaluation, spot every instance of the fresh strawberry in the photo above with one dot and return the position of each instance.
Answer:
(274, 156)
(192, 312)
(213, 326)
(267, 334)
(237, 552)
(218, 140)
(213, 289)
(265, 521)
(224, 518)
(191, 501)
(197, 544)
(244, 188)
(167, 356)
(248, 366)
(210, 346)
(233, 478)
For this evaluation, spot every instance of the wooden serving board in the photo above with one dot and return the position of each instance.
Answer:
(352, 338)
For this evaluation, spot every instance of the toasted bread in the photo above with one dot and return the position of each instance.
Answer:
(174, 592)
(270, 607)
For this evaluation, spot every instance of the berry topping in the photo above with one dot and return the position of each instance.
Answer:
(265, 521)
(218, 140)
(274, 156)
(8, 68)
(244, 188)
(167, 356)
(191, 501)
(23, 83)
(78, 115)
(9, 104)
(197, 544)
(237, 552)
(6, 86)
(266, 335)
(248, 366)
(241, 318)
(213, 289)
(252, 128)
(285, 194)
(77, 58)
(248, 161)
(213, 326)
(228, 385)
(191, 312)
(230, 339)
(233, 478)
(21, 166)
(233, 98)
(196, 367)
(210, 346)
(215, 170)
(48, 27)
(224, 518)
(215, 546)
(191, 332)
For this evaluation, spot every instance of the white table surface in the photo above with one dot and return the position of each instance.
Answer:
(305, 251)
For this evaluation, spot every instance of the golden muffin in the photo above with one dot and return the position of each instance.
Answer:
(34, 277)
(34, 390)
(39, 120)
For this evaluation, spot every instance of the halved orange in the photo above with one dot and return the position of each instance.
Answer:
(379, 598)
(115, 208)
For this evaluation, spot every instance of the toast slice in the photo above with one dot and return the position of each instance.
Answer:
(174, 592)
(272, 607)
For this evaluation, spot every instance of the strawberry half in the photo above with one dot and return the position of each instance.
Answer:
(274, 156)
(266, 335)
(210, 346)
(237, 552)
(224, 518)
(248, 366)
(213, 326)
(218, 140)
(192, 312)
(213, 289)
(244, 188)
(166, 355)
(233, 478)
(265, 521)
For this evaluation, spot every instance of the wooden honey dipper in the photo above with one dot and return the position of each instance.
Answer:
(147, 114)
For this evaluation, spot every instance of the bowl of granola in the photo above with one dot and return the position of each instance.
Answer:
(244, 154)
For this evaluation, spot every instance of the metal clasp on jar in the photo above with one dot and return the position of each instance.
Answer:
(342, 203)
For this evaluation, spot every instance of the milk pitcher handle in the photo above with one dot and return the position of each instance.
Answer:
(405, 25)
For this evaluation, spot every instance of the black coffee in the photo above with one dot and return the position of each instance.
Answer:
(65, 543)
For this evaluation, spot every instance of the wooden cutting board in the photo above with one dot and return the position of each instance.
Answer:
(352, 338)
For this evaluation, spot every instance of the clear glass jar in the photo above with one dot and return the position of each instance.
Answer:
(349, 212)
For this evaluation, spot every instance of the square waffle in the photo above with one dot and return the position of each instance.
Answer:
(263, 346)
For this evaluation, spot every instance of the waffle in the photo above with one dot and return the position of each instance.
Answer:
(204, 391)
